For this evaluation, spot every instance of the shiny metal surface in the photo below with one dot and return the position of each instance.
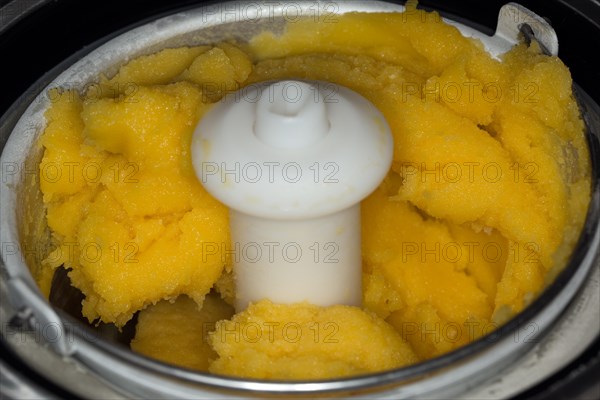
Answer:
(512, 20)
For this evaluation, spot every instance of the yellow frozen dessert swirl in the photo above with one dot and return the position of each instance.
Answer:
(483, 204)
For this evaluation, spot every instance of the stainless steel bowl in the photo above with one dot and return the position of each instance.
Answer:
(94, 362)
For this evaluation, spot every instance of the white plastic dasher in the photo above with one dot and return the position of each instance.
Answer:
(292, 160)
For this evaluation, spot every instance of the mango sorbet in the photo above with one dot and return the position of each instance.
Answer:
(177, 333)
(481, 209)
(304, 341)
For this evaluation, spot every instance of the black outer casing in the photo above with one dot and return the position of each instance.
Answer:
(45, 32)
(37, 35)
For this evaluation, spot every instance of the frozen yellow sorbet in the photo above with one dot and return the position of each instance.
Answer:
(303, 341)
(177, 332)
(481, 209)
(130, 219)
